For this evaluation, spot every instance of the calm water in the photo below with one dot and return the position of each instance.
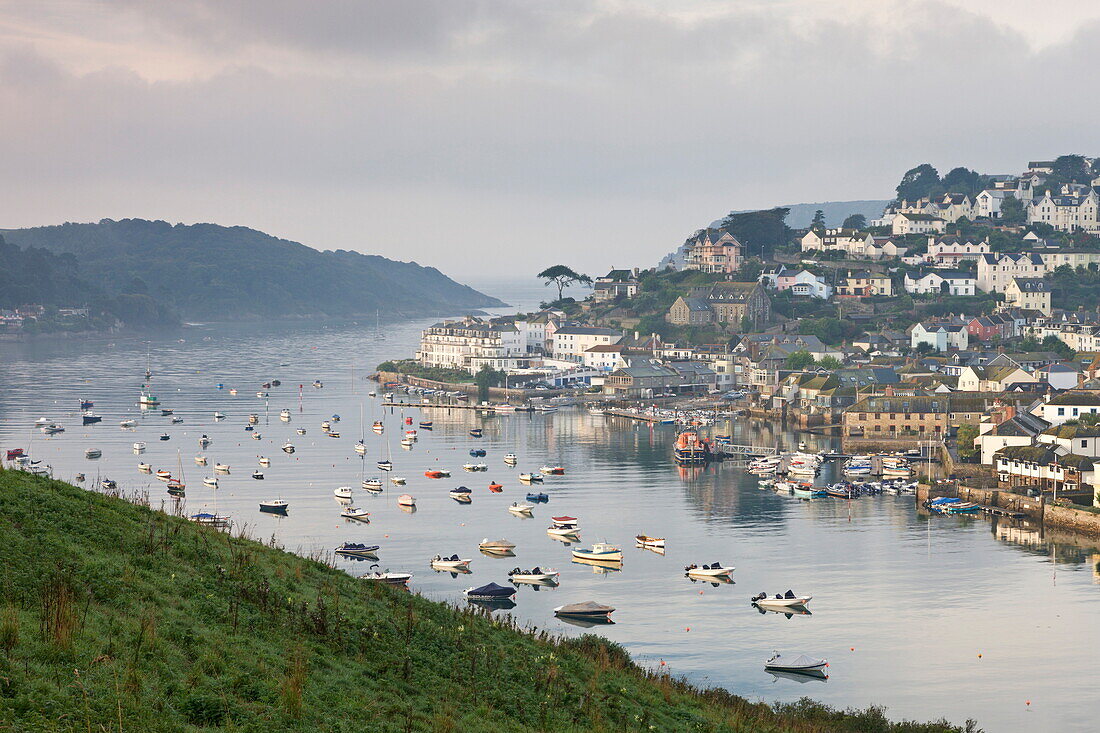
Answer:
(903, 605)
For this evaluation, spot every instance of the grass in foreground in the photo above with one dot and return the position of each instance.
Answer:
(117, 617)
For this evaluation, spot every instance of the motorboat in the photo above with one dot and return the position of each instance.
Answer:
(90, 418)
(510, 458)
(79, 478)
(288, 447)
(436, 473)
(300, 431)
(274, 506)
(781, 600)
(397, 480)
(495, 487)
(93, 453)
(534, 576)
(600, 551)
(650, 542)
(264, 461)
(563, 527)
(108, 485)
(387, 577)
(490, 591)
(233, 391)
(211, 481)
(407, 441)
(553, 470)
(406, 500)
(461, 494)
(469, 467)
(521, 508)
(801, 664)
(200, 460)
(496, 546)
(378, 427)
(127, 424)
(714, 570)
(221, 468)
(342, 492)
(52, 428)
(586, 610)
(164, 474)
(165, 436)
(357, 549)
(530, 478)
(45, 421)
(373, 484)
(204, 441)
(258, 475)
(284, 415)
(354, 512)
(452, 563)
(145, 468)
(253, 419)
(477, 453)
(317, 384)
(257, 436)
(539, 497)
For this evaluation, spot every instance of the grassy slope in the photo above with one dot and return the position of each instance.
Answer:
(113, 616)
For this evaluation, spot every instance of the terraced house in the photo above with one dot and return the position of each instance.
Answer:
(891, 416)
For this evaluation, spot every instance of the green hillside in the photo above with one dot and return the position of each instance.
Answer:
(117, 617)
(206, 271)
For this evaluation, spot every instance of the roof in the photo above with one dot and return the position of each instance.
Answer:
(1073, 431)
(1031, 284)
(587, 331)
(696, 304)
(921, 217)
(1045, 456)
(605, 348)
(921, 404)
(993, 373)
(1076, 398)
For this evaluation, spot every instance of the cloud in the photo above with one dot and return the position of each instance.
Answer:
(594, 131)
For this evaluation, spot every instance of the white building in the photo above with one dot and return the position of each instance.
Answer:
(570, 342)
(1068, 405)
(917, 224)
(950, 250)
(470, 343)
(937, 282)
(1075, 207)
(605, 357)
(941, 337)
(995, 271)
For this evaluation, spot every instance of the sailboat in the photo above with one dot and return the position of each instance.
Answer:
(176, 487)
(361, 446)
(384, 464)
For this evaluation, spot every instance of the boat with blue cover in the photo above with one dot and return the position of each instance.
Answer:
(538, 497)
(491, 591)
(477, 453)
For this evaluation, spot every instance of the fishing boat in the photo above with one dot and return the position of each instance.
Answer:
(600, 551)
(258, 475)
(714, 570)
(200, 460)
(496, 546)
(373, 484)
(342, 492)
(517, 508)
(781, 600)
(406, 500)
(355, 513)
(495, 487)
(690, 449)
(589, 610)
(128, 424)
(221, 468)
(211, 481)
(147, 399)
(356, 549)
(534, 576)
(490, 591)
(90, 418)
(801, 664)
(274, 506)
(452, 563)
(650, 542)
(145, 468)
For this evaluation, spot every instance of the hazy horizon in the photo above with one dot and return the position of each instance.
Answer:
(496, 138)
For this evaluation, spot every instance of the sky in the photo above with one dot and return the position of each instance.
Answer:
(499, 137)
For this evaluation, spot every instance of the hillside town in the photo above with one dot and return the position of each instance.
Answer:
(966, 321)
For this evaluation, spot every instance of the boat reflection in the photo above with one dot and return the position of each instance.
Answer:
(787, 611)
(453, 572)
(601, 566)
(498, 553)
(536, 584)
(408, 509)
(586, 623)
(493, 604)
(799, 677)
(715, 581)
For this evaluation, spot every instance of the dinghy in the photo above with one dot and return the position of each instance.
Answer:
(258, 475)
(221, 468)
(650, 542)
(800, 664)
(781, 601)
(586, 610)
(356, 549)
(714, 570)
(210, 481)
(521, 508)
(200, 460)
(145, 468)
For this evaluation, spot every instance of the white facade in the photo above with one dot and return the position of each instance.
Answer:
(1068, 211)
(995, 272)
(917, 224)
(957, 283)
(1068, 406)
(940, 338)
(469, 343)
(570, 342)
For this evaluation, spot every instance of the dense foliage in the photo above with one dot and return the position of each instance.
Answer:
(112, 614)
(414, 369)
(760, 231)
(215, 272)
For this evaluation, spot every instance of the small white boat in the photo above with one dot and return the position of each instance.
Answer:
(398, 480)
(342, 492)
(529, 478)
(408, 442)
(139, 447)
(385, 465)
(454, 562)
(388, 578)
(211, 481)
(300, 431)
(258, 475)
(781, 601)
(233, 391)
(373, 484)
(264, 461)
(219, 415)
(145, 468)
(361, 448)
(46, 421)
(716, 570)
(93, 453)
(253, 419)
(200, 460)
(650, 542)
(128, 424)
(496, 546)
(600, 551)
(354, 512)
(535, 576)
(801, 664)
(406, 500)
(517, 508)
(288, 447)
(221, 468)
(284, 415)
(164, 475)
(204, 441)
(326, 425)
(510, 458)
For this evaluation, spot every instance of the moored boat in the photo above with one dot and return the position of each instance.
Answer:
(600, 551)
(496, 546)
(490, 590)
(357, 549)
(589, 610)
(690, 448)
(714, 570)
(650, 542)
(274, 506)
(801, 663)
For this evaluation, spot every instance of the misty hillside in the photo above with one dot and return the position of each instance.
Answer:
(207, 271)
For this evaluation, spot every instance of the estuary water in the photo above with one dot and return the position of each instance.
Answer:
(927, 616)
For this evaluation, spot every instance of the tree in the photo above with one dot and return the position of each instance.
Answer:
(924, 180)
(818, 220)
(485, 378)
(965, 438)
(1070, 169)
(563, 277)
(1012, 210)
(855, 221)
(800, 359)
(1058, 346)
(760, 231)
(962, 180)
(829, 362)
